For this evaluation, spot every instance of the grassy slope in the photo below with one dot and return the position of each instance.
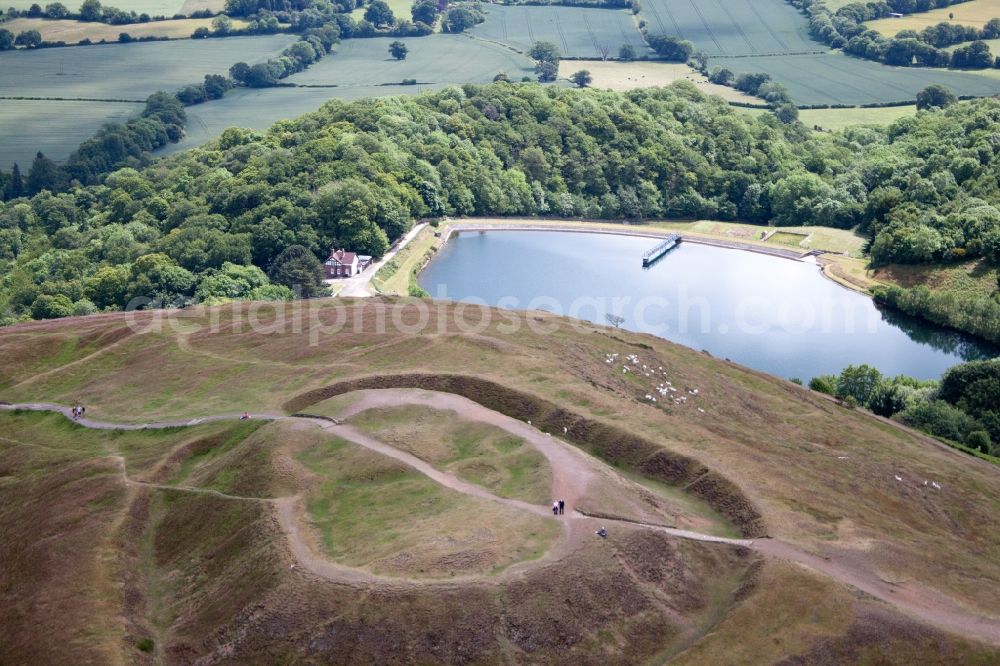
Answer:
(375, 512)
(181, 574)
(753, 425)
(61, 503)
(394, 278)
(971, 278)
(836, 119)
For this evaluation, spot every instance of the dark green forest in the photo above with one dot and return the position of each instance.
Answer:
(357, 174)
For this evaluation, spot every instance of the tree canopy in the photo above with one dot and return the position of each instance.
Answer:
(356, 174)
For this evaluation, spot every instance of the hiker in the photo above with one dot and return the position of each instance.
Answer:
(245, 417)
(76, 413)
(82, 411)
(562, 507)
(603, 533)
(555, 508)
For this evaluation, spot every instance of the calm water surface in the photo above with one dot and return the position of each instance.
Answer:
(776, 315)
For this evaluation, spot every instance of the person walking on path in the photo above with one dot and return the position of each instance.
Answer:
(555, 508)
(562, 507)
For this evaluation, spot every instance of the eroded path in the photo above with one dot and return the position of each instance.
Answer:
(573, 472)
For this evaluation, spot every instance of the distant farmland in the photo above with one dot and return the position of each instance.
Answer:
(433, 59)
(72, 32)
(578, 32)
(975, 13)
(360, 68)
(732, 27)
(832, 78)
(55, 128)
(262, 107)
(151, 7)
(127, 71)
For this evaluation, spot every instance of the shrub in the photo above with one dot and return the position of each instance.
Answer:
(824, 384)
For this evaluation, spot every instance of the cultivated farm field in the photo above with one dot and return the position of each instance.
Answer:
(578, 32)
(732, 27)
(55, 128)
(359, 68)
(127, 71)
(151, 7)
(72, 32)
(432, 59)
(832, 78)
(974, 13)
(259, 108)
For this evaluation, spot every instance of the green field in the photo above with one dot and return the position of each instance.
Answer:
(994, 45)
(127, 71)
(358, 69)
(577, 32)
(400, 9)
(103, 72)
(732, 27)
(480, 453)
(835, 119)
(432, 59)
(54, 128)
(832, 78)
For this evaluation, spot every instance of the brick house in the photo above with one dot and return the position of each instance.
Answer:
(342, 264)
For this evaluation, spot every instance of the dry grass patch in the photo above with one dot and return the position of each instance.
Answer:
(71, 32)
(975, 277)
(374, 512)
(975, 13)
(621, 76)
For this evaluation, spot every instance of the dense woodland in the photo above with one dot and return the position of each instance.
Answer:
(357, 175)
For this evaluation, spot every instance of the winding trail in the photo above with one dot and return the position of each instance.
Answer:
(573, 471)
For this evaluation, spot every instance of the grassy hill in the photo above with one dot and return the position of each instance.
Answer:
(171, 544)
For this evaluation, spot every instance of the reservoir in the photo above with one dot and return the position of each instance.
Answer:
(777, 315)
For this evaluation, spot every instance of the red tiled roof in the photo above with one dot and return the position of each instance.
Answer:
(342, 257)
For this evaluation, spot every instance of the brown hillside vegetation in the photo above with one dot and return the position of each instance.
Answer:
(168, 545)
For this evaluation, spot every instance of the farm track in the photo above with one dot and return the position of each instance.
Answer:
(571, 471)
(739, 29)
(562, 35)
(886, 83)
(708, 28)
(767, 25)
(590, 31)
(527, 22)
(659, 20)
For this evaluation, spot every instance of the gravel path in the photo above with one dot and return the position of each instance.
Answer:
(572, 472)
